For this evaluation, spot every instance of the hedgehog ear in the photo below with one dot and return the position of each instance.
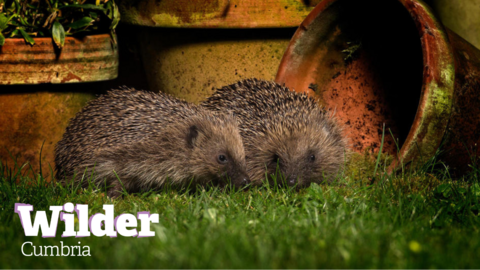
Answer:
(192, 135)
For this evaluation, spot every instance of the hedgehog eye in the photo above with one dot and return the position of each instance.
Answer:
(312, 158)
(276, 158)
(222, 159)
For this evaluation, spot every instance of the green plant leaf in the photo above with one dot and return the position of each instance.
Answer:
(443, 190)
(58, 34)
(93, 14)
(83, 22)
(23, 21)
(13, 33)
(11, 8)
(2, 39)
(116, 17)
(37, 18)
(32, 6)
(3, 22)
(26, 36)
(109, 10)
(85, 6)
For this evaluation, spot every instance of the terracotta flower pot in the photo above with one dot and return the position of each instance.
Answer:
(90, 59)
(35, 114)
(215, 13)
(244, 39)
(391, 62)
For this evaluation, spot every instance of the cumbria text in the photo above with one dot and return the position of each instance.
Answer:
(54, 250)
(124, 224)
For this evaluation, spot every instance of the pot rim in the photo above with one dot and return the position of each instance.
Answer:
(436, 101)
(16, 39)
(224, 15)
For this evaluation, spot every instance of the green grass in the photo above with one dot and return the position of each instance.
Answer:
(415, 219)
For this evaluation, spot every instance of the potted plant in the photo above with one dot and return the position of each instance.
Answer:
(46, 40)
(50, 41)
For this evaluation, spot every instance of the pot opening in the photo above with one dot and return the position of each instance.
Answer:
(363, 60)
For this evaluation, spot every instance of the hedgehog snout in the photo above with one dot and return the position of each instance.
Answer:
(292, 180)
(244, 179)
(239, 178)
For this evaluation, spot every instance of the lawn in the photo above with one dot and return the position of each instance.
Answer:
(418, 218)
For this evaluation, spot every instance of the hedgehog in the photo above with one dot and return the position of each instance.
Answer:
(138, 140)
(284, 132)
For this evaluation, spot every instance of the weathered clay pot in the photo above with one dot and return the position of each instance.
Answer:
(216, 13)
(92, 58)
(392, 62)
(30, 120)
(244, 39)
(36, 115)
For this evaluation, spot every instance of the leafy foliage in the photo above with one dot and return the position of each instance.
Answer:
(56, 18)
